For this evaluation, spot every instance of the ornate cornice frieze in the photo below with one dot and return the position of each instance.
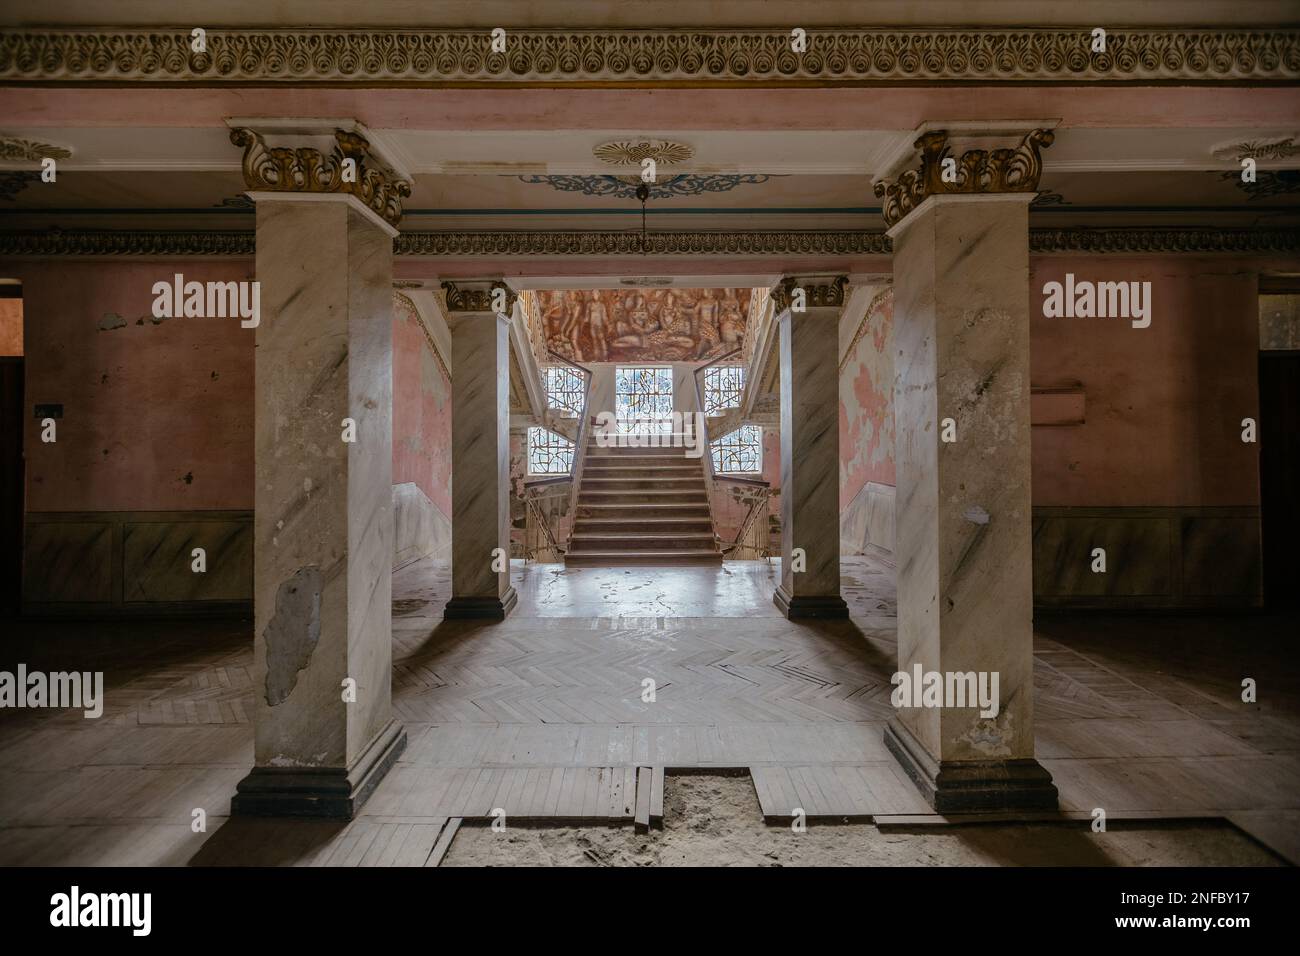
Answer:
(755, 243)
(699, 56)
(477, 297)
(308, 170)
(134, 243)
(976, 171)
(496, 244)
(819, 291)
(1173, 240)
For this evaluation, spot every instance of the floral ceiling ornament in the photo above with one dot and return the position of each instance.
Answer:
(15, 150)
(308, 170)
(1260, 149)
(664, 152)
(976, 171)
(625, 187)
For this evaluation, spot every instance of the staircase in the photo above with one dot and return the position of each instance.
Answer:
(641, 506)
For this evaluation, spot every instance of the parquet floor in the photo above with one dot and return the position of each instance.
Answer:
(549, 716)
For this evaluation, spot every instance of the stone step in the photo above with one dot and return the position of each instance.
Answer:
(632, 496)
(637, 522)
(669, 541)
(659, 468)
(643, 483)
(666, 557)
(641, 510)
(669, 451)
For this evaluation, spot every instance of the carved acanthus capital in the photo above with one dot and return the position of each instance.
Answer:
(976, 171)
(305, 169)
(818, 291)
(480, 297)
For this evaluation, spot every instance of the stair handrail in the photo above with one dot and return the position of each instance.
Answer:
(580, 439)
(531, 507)
(759, 500)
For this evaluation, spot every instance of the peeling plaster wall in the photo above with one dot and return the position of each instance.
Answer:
(421, 442)
(866, 382)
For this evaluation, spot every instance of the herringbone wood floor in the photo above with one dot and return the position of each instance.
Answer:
(544, 716)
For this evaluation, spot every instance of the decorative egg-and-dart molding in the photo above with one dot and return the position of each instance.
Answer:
(307, 170)
(976, 171)
(697, 57)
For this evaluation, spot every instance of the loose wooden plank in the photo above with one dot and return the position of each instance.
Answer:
(444, 842)
(657, 796)
(644, 777)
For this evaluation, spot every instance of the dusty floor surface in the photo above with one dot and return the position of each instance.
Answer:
(715, 821)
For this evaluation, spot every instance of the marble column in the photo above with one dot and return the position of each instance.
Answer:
(965, 589)
(809, 314)
(480, 450)
(323, 523)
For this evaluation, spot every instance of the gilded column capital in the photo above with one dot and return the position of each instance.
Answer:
(818, 291)
(480, 296)
(305, 169)
(975, 171)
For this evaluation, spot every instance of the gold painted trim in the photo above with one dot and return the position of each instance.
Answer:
(159, 244)
(977, 171)
(696, 57)
(307, 170)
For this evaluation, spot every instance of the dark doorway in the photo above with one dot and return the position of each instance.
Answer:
(11, 482)
(1279, 469)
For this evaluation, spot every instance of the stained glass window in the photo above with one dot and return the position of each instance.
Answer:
(564, 390)
(643, 400)
(548, 453)
(739, 452)
(722, 387)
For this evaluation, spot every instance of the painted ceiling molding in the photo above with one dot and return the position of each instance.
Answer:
(128, 243)
(703, 57)
(756, 243)
(16, 150)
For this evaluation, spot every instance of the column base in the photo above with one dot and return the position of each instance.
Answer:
(481, 609)
(332, 792)
(971, 786)
(803, 606)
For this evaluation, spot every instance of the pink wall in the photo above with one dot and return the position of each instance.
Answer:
(156, 415)
(866, 404)
(421, 410)
(1164, 404)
